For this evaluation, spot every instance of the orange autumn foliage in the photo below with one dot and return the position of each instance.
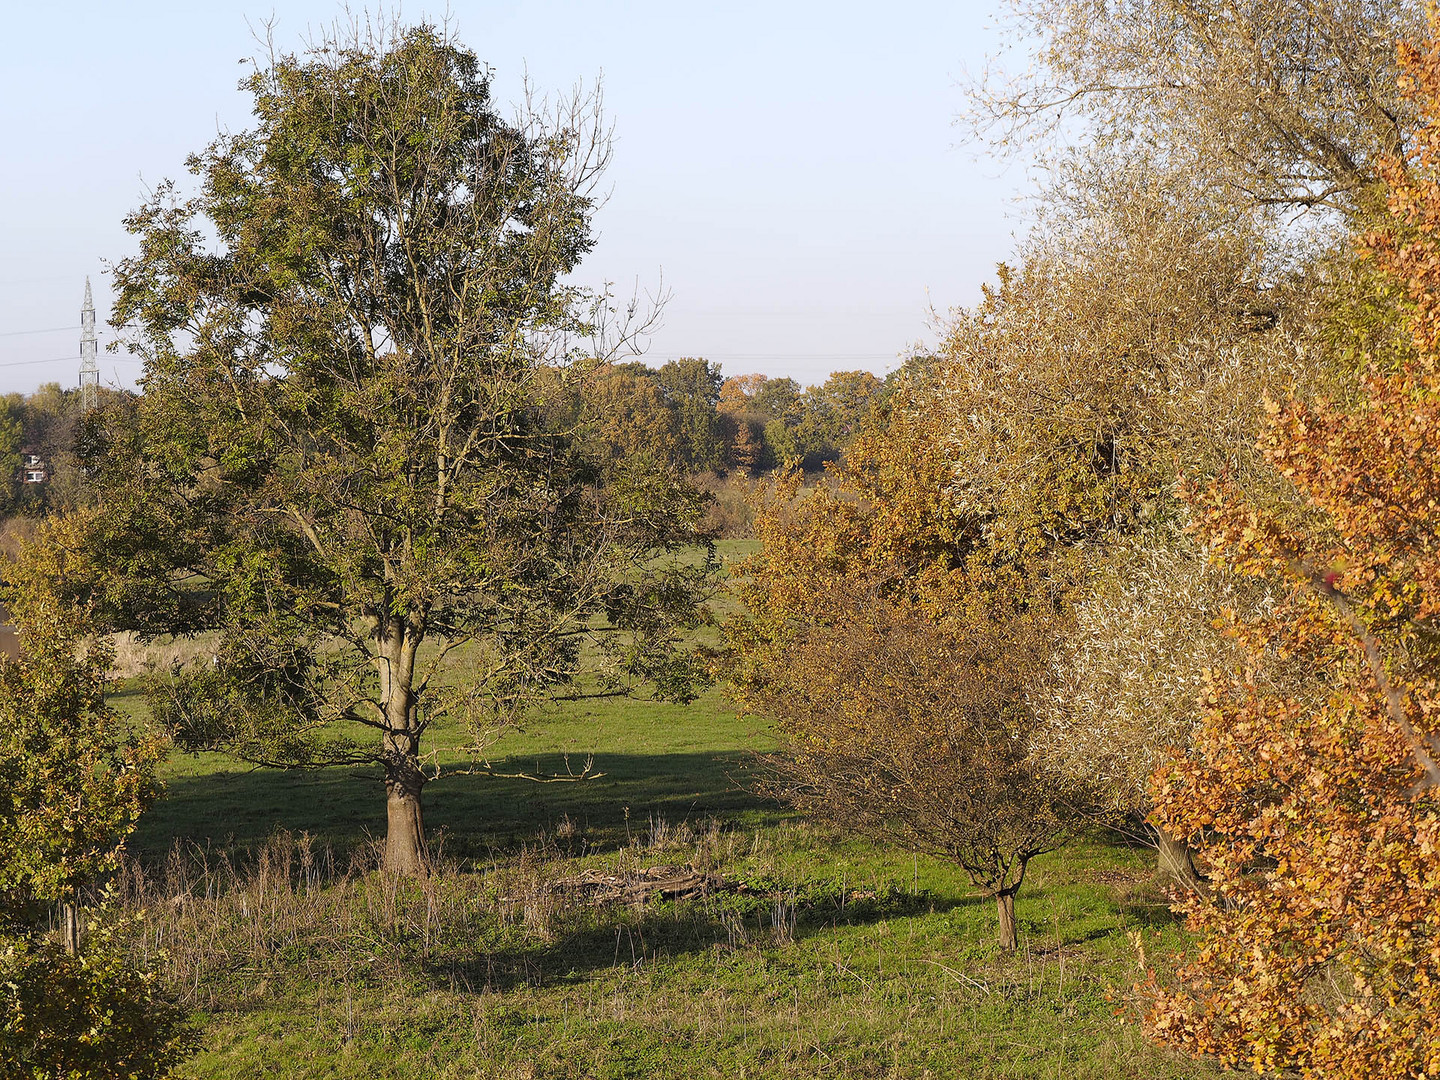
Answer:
(1314, 799)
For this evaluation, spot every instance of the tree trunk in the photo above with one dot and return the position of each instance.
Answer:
(70, 926)
(1177, 860)
(1005, 905)
(405, 849)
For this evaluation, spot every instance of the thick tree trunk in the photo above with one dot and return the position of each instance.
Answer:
(405, 849)
(1177, 860)
(1005, 906)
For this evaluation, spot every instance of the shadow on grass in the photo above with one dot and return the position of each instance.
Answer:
(659, 934)
(228, 805)
(1151, 915)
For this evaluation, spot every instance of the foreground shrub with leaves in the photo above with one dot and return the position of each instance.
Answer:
(73, 782)
(86, 1014)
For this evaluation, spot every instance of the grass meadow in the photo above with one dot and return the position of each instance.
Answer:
(815, 954)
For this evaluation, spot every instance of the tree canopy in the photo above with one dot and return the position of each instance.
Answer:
(1282, 103)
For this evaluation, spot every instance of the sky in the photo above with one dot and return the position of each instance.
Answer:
(788, 172)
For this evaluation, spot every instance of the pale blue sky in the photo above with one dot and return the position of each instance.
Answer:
(791, 168)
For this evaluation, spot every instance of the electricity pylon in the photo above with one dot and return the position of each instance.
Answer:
(89, 370)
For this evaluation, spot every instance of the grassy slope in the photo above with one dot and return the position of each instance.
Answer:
(834, 958)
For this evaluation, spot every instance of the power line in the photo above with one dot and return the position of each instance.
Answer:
(37, 280)
(54, 330)
(27, 363)
(780, 356)
(48, 330)
(67, 359)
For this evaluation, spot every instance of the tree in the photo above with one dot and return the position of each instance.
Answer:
(1314, 801)
(47, 424)
(832, 414)
(1127, 679)
(1283, 103)
(692, 387)
(88, 1014)
(747, 443)
(772, 422)
(741, 425)
(783, 446)
(898, 663)
(345, 451)
(771, 407)
(779, 399)
(903, 728)
(1134, 342)
(738, 391)
(1170, 284)
(627, 417)
(73, 782)
(12, 437)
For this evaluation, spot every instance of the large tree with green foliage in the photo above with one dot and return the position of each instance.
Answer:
(345, 460)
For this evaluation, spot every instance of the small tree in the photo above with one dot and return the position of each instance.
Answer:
(909, 730)
(897, 664)
(779, 400)
(73, 781)
(345, 459)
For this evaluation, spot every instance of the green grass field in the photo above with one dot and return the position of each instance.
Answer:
(820, 955)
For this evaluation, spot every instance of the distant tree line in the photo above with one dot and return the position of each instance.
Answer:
(687, 415)
(684, 415)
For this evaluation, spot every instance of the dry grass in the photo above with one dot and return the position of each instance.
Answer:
(308, 963)
(731, 514)
(226, 928)
(134, 657)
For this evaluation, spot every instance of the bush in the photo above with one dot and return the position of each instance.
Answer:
(88, 1014)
